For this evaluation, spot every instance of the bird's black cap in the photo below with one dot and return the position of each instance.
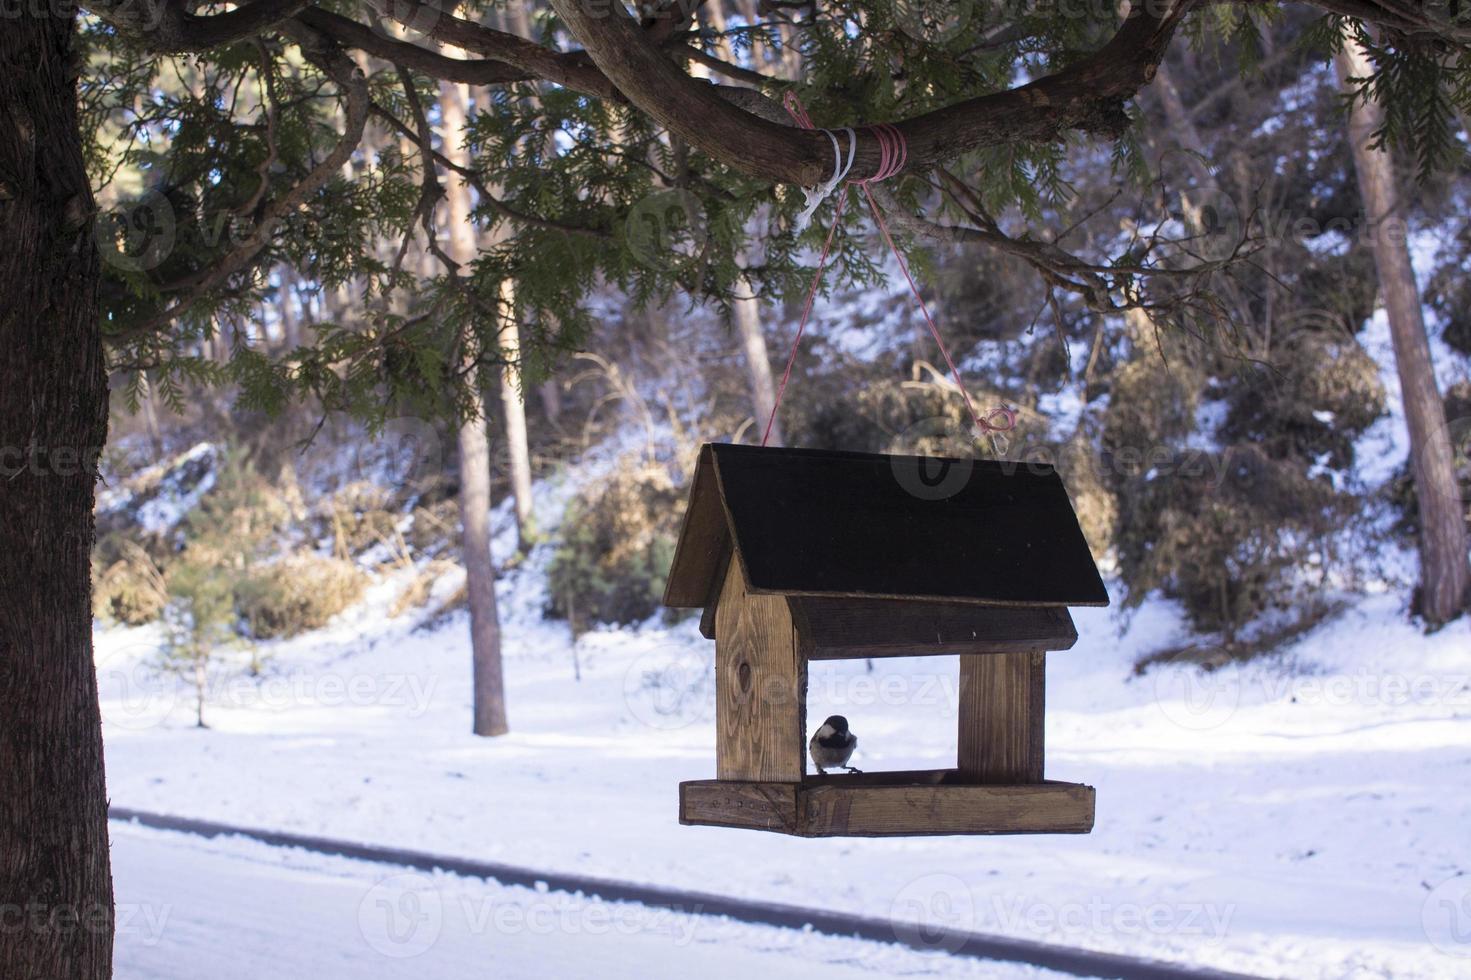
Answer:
(838, 723)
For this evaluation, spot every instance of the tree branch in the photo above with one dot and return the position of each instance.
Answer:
(1088, 96)
(165, 26)
(337, 66)
(360, 37)
(570, 70)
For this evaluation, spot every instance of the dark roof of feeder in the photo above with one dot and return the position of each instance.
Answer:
(813, 522)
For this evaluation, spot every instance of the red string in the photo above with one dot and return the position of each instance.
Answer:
(893, 153)
(806, 311)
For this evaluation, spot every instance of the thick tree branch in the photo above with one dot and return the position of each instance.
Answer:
(246, 20)
(363, 38)
(165, 26)
(570, 70)
(1088, 95)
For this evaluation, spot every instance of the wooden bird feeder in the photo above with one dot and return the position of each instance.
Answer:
(798, 555)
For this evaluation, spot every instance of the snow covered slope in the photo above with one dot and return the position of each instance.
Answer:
(1305, 816)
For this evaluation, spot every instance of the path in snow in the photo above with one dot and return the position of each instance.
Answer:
(223, 909)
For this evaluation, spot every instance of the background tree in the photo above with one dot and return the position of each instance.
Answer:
(1445, 577)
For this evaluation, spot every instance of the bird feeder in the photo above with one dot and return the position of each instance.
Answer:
(797, 555)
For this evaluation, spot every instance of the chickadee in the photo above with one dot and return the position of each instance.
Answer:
(832, 746)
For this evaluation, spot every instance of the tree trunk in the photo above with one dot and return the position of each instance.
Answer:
(514, 407)
(53, 420)
(1445, 572)
(747, 315)
(474, 451)
(513, 395)
(1183, 129)
(551, 401)
(290, 321)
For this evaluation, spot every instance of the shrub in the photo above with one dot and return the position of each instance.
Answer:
(1321, 392)
(131, 590)
(891, 415)
(617, 542)
(1232, 535)
(358, 517)
(1151, 404)
(199, 626)
(434, 529)
(295, 595)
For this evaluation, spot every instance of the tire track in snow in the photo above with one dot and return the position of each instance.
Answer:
(1076, 961)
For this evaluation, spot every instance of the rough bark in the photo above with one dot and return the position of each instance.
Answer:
(1445, 572)
(54, 877)
(747, 314)
(474, 453)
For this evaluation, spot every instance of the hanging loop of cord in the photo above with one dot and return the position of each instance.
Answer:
(893, 154)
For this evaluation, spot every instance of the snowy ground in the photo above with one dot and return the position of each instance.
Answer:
(1307, 816)
(189, 908)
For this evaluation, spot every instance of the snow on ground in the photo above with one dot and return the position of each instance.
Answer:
(224, 909)
(1303, 816)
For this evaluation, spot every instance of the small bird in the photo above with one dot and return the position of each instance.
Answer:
(832, 745)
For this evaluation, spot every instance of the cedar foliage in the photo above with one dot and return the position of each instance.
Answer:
(596, 206)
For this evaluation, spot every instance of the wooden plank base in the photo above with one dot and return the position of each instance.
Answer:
(898, 804)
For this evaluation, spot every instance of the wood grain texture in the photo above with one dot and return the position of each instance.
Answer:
(881, 811)
(1002, 699)
(926, 807)
(839, 628)
(760, 686)
(712, 602)
(699, 561)
(755, 806)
